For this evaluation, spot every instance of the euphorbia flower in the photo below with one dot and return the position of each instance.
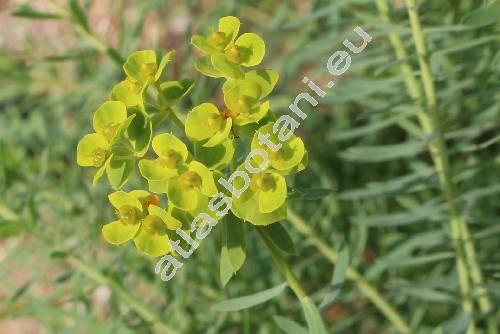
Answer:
(194, 183)
(141, 66)
(290, 157)
(243, 102)
(263, 202)
(226, 53)
(208, 126)
(141, 219)
(205, 123)
(92, 150)
(128, 92)
(172, 153)
(110, 121)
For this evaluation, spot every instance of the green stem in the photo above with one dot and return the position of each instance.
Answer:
(176, 120)
(467, 264)
(283, 266)
(368, 290)
(122, 294)
(88, 36)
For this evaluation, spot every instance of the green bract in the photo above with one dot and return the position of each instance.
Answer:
(225, 53)
(243, 102)
(172, 154)
(141, 66)
(92, 150)
(205, 123)
(172, 91)
(111, 119)
(194, 183)
(184, 185)
(291, 157)
(263, 202)
(127, 92)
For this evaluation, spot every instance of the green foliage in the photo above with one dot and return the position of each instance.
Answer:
(370, 181)
(124, 127)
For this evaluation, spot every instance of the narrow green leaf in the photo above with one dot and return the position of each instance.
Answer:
(280, 238)
(483, 16)
(235, 241)
(225, 267)
(401, 218)
(244, 302)
(383, 152)
(289, 326)
(313, 317)
(420, 260)
(338, 276)
(312, 194)
(458, 325)
(30, 13)
(79, 14)
(496, 62)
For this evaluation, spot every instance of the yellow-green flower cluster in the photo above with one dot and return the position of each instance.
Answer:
(189, 187)
(226, 52)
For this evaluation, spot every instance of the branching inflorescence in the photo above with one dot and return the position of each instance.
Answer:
(189, 191)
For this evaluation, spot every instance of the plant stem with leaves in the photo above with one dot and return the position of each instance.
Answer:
(123, 295)
(283, 266)
(466, 255)
(366, 288)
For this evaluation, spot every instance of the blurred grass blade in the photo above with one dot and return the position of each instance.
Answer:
(484, 16)
(245, 302)
(79, 15)
(313, 317)
(28, 12)
(338, 277)
(383, 152)
(289, 326)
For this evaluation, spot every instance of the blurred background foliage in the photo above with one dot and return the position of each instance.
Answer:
(58, 62)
